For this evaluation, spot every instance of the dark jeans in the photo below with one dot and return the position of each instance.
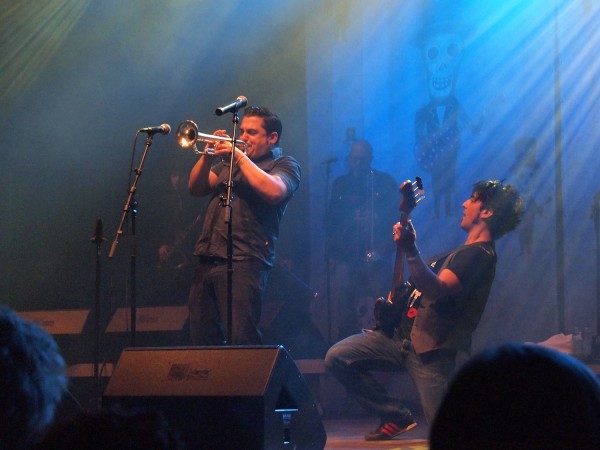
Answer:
(208, 302)
(353, 359)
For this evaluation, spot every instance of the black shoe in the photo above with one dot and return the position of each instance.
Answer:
(390, 429)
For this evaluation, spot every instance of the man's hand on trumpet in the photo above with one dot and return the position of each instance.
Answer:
(256, 144)
(221, 147)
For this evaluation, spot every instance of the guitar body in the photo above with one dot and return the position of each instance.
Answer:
(171, 257)
(389, 313)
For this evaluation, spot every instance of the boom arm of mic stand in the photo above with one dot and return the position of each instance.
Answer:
(131, 205)
(126, 209)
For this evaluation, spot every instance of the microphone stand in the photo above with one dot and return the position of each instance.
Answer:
(131, 207)
(226, 202)
(97, 239)
(328, 164)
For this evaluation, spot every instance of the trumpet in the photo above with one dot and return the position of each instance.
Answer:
(188, 135)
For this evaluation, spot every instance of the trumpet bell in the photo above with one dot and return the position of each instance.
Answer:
(187, 135)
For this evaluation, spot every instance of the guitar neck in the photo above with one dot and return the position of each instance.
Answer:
(398, 275)
(412, 193)
(404, 217)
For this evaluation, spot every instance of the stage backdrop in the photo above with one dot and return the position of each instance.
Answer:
(79, 78)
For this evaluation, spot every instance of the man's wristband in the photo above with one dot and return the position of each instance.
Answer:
(412, 254)
(241, 158)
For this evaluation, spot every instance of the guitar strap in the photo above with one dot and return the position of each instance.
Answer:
(450, 255)
(433, 263)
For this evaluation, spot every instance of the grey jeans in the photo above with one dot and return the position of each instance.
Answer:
(353, 360)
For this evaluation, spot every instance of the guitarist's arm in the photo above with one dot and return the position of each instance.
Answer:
(429, 283)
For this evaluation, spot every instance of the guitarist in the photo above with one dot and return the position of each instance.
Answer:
(450, 305)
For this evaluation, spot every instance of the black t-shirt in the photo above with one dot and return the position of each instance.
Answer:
(450, 321)
(255, 223)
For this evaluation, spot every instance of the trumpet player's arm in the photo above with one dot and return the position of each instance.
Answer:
(202, 179)
(272, 188)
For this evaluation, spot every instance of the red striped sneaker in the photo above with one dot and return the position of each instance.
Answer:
(390, 429)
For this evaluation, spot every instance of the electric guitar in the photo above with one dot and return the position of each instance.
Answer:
(389, 311)
(175, 259)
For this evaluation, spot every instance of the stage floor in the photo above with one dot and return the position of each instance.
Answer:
(349, 434)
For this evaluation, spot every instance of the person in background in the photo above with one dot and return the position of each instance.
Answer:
(363, 204)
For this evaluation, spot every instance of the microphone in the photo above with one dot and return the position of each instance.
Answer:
(240, 102)
(98, 237)
(165, 128)
(330, 160)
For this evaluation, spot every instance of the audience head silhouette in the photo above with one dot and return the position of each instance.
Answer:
(32, 380)
(519, 396)
(113, 429)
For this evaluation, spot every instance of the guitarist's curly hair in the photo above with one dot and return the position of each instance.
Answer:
(505, 202)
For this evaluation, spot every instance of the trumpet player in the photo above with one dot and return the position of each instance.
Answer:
(263, 182)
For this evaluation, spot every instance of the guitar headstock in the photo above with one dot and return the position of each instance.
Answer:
(412, 193)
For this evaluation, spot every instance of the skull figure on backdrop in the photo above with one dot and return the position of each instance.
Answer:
(443, 55)
(438, 124)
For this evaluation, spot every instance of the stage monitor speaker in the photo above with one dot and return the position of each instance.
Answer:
(221, 397)
(149, 318)
(58, 322)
